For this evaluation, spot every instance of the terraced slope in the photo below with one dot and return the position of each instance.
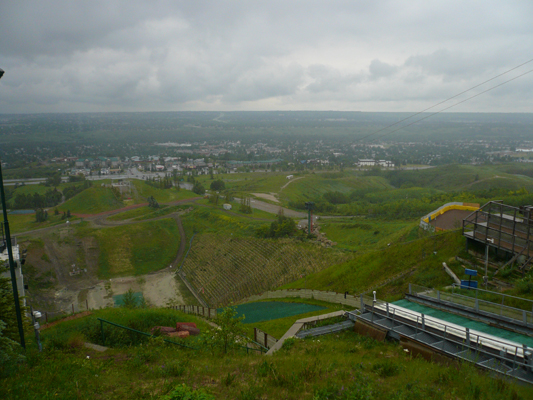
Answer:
(224, 269)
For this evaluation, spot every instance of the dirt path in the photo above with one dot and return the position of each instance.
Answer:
(274, 209)
(183, 241)
(291, 181)
(266, 196)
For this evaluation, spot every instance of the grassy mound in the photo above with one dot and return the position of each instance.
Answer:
(93, 200)
(136, 249)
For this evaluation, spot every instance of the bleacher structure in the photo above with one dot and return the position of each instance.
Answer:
(502, 227)
(436, 338)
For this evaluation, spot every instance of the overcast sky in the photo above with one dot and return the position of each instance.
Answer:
(371, 55)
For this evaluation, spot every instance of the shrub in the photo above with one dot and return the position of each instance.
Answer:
(198, 188)
(218, 185)
(184, 392)
(8, 348)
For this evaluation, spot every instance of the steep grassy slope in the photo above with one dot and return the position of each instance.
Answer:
(226, 269)
(422, 257)
(135, 249)
(365, 233)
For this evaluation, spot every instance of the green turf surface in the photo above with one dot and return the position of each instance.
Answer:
(462, 321)
(269, 310)
(119, 298)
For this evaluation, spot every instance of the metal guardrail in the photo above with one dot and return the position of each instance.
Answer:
(478, 304)
(472, 343)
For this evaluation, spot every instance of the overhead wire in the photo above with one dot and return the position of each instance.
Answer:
(448, 99)
(453, 105)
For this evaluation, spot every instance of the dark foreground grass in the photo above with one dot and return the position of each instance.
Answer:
(338, 366)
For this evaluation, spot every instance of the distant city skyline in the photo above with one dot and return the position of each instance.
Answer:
(237, 55)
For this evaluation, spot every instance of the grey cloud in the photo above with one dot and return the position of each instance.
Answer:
(134, 55)
(379, 69)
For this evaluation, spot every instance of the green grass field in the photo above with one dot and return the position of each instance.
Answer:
(250, 182)
(19, 223)
(215, 220)
(364, 233)
(235, 209)
(463, 178)
(93, 200)
(136, 249)
(313, 186)
(143, 191)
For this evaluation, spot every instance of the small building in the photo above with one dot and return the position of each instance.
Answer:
(227, 207)
(17, 260)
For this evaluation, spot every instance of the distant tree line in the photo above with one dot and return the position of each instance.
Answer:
(35, 201)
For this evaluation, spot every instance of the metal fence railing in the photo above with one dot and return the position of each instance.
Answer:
(481, 301)
(202, 311)
(263, 338)
(257, 347)
(470, 344)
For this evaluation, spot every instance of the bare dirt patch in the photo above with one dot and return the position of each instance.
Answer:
(266, 196)
(158, 289)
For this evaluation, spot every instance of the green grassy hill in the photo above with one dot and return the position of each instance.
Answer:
(93, 200)
(416, 258)
(134, 249)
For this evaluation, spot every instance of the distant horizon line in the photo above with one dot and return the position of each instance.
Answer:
(264, 111)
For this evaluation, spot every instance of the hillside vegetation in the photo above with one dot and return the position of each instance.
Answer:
(342, 366)
(135, 249)
(422, 259)
(225, 269)
(93, 200)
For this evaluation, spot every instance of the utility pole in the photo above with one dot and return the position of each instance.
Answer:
(309, 205)
(10, 255)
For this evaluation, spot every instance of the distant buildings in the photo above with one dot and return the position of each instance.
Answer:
(372, 163)
(98, 162)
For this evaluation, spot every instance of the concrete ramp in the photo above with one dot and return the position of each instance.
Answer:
(298, 325)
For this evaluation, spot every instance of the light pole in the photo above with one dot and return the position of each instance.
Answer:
(10, 255)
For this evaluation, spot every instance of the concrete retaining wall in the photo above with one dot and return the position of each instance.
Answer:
(330, 297)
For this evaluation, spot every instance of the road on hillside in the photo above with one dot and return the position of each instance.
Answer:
(274, 209)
